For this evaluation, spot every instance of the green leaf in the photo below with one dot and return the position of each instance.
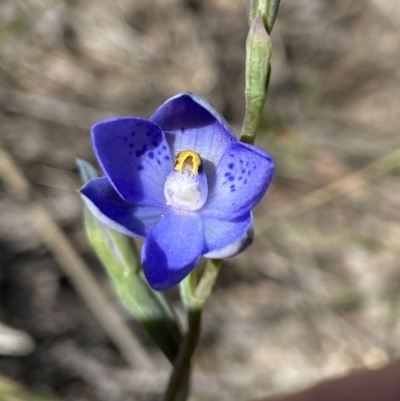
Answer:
(12, 391)
(121, 260)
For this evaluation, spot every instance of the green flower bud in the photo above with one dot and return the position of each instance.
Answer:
(258, 55)
(268, 9)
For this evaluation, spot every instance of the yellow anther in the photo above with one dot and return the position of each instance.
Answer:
(187, 160)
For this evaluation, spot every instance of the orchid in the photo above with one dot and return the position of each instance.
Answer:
(181, 180)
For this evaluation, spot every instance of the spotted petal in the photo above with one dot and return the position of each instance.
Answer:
(224, 239)
(172, 248)
(108, 207)
(191, 123)
(136, 158)
(242, 176)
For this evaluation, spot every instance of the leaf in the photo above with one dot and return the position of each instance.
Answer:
(121, 260)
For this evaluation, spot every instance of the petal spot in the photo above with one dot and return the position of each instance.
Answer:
(142, 151)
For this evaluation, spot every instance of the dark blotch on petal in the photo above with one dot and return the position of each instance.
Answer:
(142, 151)
(151, 155)
(231, 166)
(231, 178)
(140, 167)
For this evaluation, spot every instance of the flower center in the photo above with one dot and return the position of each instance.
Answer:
(186, 185)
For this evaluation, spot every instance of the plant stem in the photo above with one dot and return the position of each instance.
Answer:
(178, 385)
(194, 298)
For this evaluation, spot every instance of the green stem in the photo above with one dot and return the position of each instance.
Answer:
(194, 298)
(179, 382)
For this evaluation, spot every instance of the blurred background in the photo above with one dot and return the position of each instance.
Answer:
(317, 294)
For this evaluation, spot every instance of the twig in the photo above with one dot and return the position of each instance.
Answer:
(50, 109)
(74, 267)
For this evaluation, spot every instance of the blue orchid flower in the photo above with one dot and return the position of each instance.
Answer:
(182, 180)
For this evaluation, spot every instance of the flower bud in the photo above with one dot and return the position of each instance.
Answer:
(258, 55)
(268, 9)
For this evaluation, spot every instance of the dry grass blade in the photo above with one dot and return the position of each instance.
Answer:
(339, 187)
(73, 265)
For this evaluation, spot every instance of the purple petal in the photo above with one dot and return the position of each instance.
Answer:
(136, 158)
(172, 248)
(191, 123)
(105, 203)
(224, 239)
(242, 176)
